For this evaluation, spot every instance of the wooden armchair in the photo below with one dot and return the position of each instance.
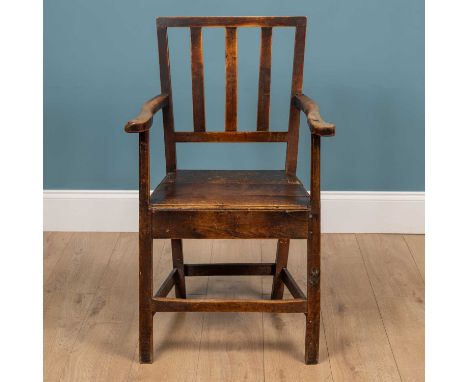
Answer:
(230, 204)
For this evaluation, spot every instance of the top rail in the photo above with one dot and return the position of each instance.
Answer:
(225, 21)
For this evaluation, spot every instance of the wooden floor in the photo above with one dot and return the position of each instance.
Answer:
(372, 312)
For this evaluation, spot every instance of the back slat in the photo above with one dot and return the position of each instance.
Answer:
(224, 21)
(296, 87)
(198, 95)
(264, 79)
(231, 79)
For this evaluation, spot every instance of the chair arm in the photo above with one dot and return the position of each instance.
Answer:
(317, 125)
(145, 119)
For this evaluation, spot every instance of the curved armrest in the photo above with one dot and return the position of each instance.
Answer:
(145, 119)
(317, 125)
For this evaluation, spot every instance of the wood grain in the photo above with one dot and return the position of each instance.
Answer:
(232, 136)
(53, 247)
(283, 354)
(229, 269)
(198, 92)
(68, 294)
(178, 263)
(166, 88)
(229, 224)
(167, 285)
(145, 253)
(223, 190)
(231, 79)
(284, 333)
(356, 337)
(106, 342)
(311, 109)
(416, 246)
(399, 290)
(98, 341)
(230, 204)
(144, 120)
(233, 340)
(313, 258)
(197, 251)
(176, 335)
(70, 289)
(296, 87)
(223, 21)
(281, 262)
(264, 80)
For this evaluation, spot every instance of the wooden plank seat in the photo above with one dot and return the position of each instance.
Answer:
(226, 189)
(230, 204)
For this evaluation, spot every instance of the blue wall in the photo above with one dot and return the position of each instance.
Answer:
(364, 64)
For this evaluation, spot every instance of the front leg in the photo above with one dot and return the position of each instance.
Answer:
(313, 260)
(145, 298)
(145, 256)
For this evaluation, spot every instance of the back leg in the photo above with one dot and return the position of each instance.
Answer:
(178, 262)
(282, 251)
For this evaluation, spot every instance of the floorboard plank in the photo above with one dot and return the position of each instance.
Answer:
(77, 274)
(284, 350)
(105, 347)
(372, 312)
(103, 352)
(416, 244)
(357, 342)
(231, 348)
(68, 295)
(58, 339)
(399, 291)
(53, 245)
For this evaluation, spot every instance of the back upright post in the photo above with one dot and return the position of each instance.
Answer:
(296, 87)
(166, 88)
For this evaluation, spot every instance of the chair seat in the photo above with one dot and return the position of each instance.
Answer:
(232, 190)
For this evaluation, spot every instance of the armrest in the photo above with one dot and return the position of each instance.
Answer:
(145, 119)
(317, 125)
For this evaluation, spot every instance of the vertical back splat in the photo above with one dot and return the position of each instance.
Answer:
(198, 94)
(231, 79)
(264, 79)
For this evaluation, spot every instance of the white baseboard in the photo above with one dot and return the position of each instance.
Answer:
(342, 211)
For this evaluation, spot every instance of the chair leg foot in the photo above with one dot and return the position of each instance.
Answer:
(146, 351)
(145, 298)
(146, 336)
(312, 333)
(312, 339)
